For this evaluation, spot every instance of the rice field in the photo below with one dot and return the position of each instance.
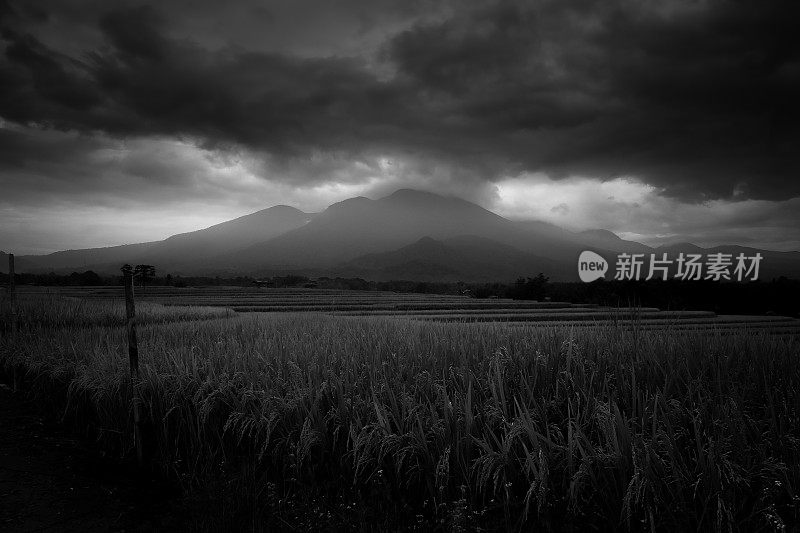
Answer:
(511, 416)
(47, 309)
(441, 308)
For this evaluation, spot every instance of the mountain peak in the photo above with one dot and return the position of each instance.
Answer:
(418, 197)
(410, 193)
(283, 207)
(427, 242)
(601, 233)
(412, 198)
(680, 246)
(350, 205)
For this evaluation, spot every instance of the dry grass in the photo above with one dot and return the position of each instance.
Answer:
(50, 310)
(608, 428)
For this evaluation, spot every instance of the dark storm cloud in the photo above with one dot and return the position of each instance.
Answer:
(698, 101)
(146, 84)
(693, 97)
(47, 167)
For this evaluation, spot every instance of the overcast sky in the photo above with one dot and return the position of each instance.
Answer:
(662, 121)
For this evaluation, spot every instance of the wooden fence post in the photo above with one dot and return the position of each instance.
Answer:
(12, 294)
(12, 299)
(133, 358)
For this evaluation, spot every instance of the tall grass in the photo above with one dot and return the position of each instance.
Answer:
(50, 310)
(603, 428)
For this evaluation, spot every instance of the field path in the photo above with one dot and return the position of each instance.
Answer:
(50, 482)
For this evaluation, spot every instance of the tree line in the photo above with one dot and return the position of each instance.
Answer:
(779, 296)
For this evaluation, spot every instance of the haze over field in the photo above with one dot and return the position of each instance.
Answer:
(664, 122)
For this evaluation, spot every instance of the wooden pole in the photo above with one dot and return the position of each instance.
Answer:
(133, 358)
(12, 298)
(12, 294)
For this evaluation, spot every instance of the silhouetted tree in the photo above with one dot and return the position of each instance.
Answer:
(144, 272)
(529, 289)
(84, 279)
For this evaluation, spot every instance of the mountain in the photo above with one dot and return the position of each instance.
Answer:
(685, 247)
(90, 258)
(361, 226)
(408, 234)
(463, 258)
(611, 241)
(184, 251)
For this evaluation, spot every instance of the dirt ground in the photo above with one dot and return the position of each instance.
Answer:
(51, 482)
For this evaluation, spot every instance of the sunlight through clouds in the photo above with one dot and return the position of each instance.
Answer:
(572, 202)
(638, 211)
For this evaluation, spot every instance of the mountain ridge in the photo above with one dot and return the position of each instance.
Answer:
(460, 258)
(402, 233)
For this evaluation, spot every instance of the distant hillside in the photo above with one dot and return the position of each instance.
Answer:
(408, 234)
(360, 226)
(191, 251)
(90, 258)
(611, 241)
(187, 248)
(463, 258)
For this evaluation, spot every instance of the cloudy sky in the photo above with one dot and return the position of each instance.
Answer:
(664, 121)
